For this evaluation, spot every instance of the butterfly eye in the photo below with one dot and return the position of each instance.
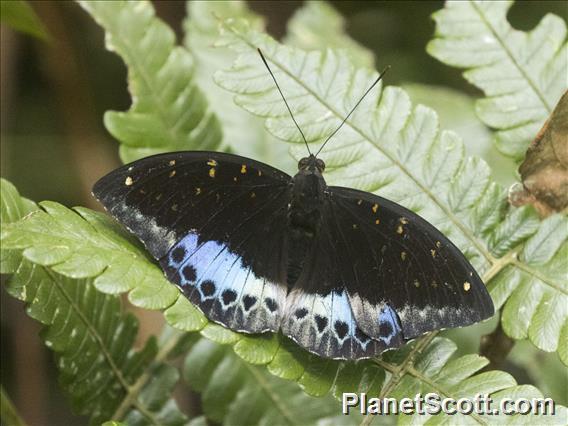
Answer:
(303, 163)
(320, 165)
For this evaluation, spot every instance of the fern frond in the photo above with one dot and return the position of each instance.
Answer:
(233, 389)
(168, 112)
(533, 290)
(84, 244)
(13, 207)
(92, 338)
(522, 74)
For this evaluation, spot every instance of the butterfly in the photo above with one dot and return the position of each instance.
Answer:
(344, 273)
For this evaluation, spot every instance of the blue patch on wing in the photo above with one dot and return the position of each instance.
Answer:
(324, 324)
(389, 325)
(215, 279)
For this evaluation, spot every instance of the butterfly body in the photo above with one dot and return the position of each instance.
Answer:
(344, 273)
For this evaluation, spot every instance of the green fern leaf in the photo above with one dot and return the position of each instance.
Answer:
(20, 16)
(457, 379)
(533, 291)
(388, 148)
(83, 243)
(232, 390)
(103, 376)
(522, 74)
(13, 207)
(169, 112)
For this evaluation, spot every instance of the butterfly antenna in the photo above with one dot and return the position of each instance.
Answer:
(284, 99)
(353, 109)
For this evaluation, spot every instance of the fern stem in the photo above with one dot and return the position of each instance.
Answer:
(93, 332)
(413, 372)
(546, 280)
(499, 265)
(133, 391)
(512, 58)
(273, 396)
(399, 371)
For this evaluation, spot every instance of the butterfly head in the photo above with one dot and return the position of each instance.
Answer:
(311, 164)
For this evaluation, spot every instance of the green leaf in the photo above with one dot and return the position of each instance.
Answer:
(102, 374)
(19, 15)
(458, 379)
(456, 112)
(8, 411)
(317, 25)
(517, 226)
(12, 208)
(389, 148)
(520, 73)
(81, 243)
(235, 392)
(94, 340)
(546, 370)
(169, 112)
(533, 291)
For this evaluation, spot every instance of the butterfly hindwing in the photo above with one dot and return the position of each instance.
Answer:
(205, 217)
(319, 315)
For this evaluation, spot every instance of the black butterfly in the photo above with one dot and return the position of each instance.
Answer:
(344, 273)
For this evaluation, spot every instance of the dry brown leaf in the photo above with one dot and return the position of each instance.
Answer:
(544, 173)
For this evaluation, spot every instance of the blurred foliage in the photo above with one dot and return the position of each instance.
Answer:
(20, 16)
(37, 141)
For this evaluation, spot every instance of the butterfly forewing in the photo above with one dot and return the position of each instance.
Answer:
(217, 225)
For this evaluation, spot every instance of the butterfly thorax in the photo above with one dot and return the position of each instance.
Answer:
(308, 194)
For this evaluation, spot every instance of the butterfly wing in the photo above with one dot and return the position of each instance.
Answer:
(205, 217)
(386, 273)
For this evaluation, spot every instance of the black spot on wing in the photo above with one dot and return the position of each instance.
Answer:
(362, 337)
(321, 323)
(189, 273)
(208, 288)
(385, 328)
(271, 304)
(229, 296)
(178, 254)
(248, 302)
(341, 329)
